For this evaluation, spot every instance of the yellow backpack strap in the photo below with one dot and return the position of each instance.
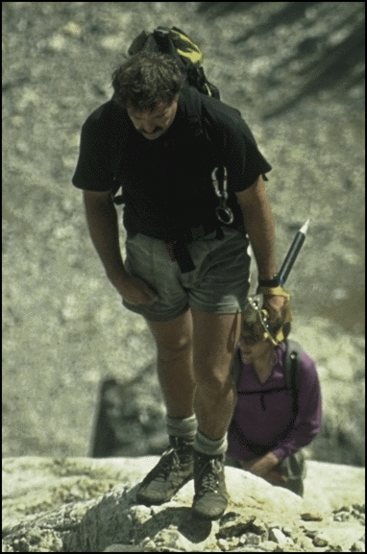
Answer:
(186, 47)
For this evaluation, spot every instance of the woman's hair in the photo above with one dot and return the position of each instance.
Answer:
(146, 79)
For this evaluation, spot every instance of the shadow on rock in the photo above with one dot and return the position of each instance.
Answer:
(104, 523)
(117, 519)
(175, 526)
(130, 417)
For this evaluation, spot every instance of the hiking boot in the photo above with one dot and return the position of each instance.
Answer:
(211, 497)
(173, 470)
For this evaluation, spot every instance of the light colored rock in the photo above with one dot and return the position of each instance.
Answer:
(340, 485)
(358, 546)
(278, 536)
(57, 43)
(124, 548)
(72, 29)
(81, 504)
(320, 541)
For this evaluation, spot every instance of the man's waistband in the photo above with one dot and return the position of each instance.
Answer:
(178, 250)
(199, 232)
(178, 247)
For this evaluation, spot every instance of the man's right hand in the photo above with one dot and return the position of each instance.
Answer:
(134, 290)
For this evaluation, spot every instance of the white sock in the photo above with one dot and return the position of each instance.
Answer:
(182, 427)
(210, 447)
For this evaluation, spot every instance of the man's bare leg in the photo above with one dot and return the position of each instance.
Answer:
(215, 337)
(174, 362)
(174, 347)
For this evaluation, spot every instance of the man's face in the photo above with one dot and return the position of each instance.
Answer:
(152, 124)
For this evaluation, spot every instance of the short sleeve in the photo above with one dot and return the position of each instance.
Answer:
(243, 158)
(93, 170)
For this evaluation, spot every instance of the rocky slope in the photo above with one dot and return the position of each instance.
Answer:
(64, 329)
(84, 505)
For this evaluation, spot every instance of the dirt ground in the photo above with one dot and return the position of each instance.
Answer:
(64, 329)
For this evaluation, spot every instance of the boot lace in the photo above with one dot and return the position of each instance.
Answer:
(172, 461)
(168, 462)
(209, 477)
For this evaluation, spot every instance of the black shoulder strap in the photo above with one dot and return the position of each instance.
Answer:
(236, 366)
(200, 125)
(193, 108)
(292, 368)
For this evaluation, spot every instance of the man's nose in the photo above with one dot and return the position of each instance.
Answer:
(149, 127)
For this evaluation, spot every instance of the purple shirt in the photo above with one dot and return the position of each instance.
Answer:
(263, 417)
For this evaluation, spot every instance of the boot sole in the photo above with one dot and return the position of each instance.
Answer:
(208, 517)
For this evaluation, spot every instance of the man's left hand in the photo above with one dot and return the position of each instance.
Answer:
(274, 302)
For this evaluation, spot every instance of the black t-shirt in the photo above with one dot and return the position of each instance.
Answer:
(166, 182)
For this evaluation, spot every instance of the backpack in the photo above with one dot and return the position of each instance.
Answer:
(180, 46)
(291, 365)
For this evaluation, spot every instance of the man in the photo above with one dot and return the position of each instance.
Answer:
(185, 272)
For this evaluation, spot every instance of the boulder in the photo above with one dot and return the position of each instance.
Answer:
(89, 505)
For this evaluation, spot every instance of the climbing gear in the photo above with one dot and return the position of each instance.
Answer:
(211, 496)
(273, 291)
(220, 180)
(259, 322)
(173, 470)
(188, 55)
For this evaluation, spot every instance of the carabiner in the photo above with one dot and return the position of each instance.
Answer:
(224, 215)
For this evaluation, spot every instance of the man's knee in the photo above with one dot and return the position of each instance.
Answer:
(170, 351)
(214, 380)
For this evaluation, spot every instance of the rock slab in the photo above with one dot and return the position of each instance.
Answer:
(88, 505)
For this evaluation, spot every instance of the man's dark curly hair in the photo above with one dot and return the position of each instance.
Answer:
(146, 79)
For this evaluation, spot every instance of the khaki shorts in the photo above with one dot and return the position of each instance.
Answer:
(218, 284)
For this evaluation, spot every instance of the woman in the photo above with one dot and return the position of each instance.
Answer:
(272, 420)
